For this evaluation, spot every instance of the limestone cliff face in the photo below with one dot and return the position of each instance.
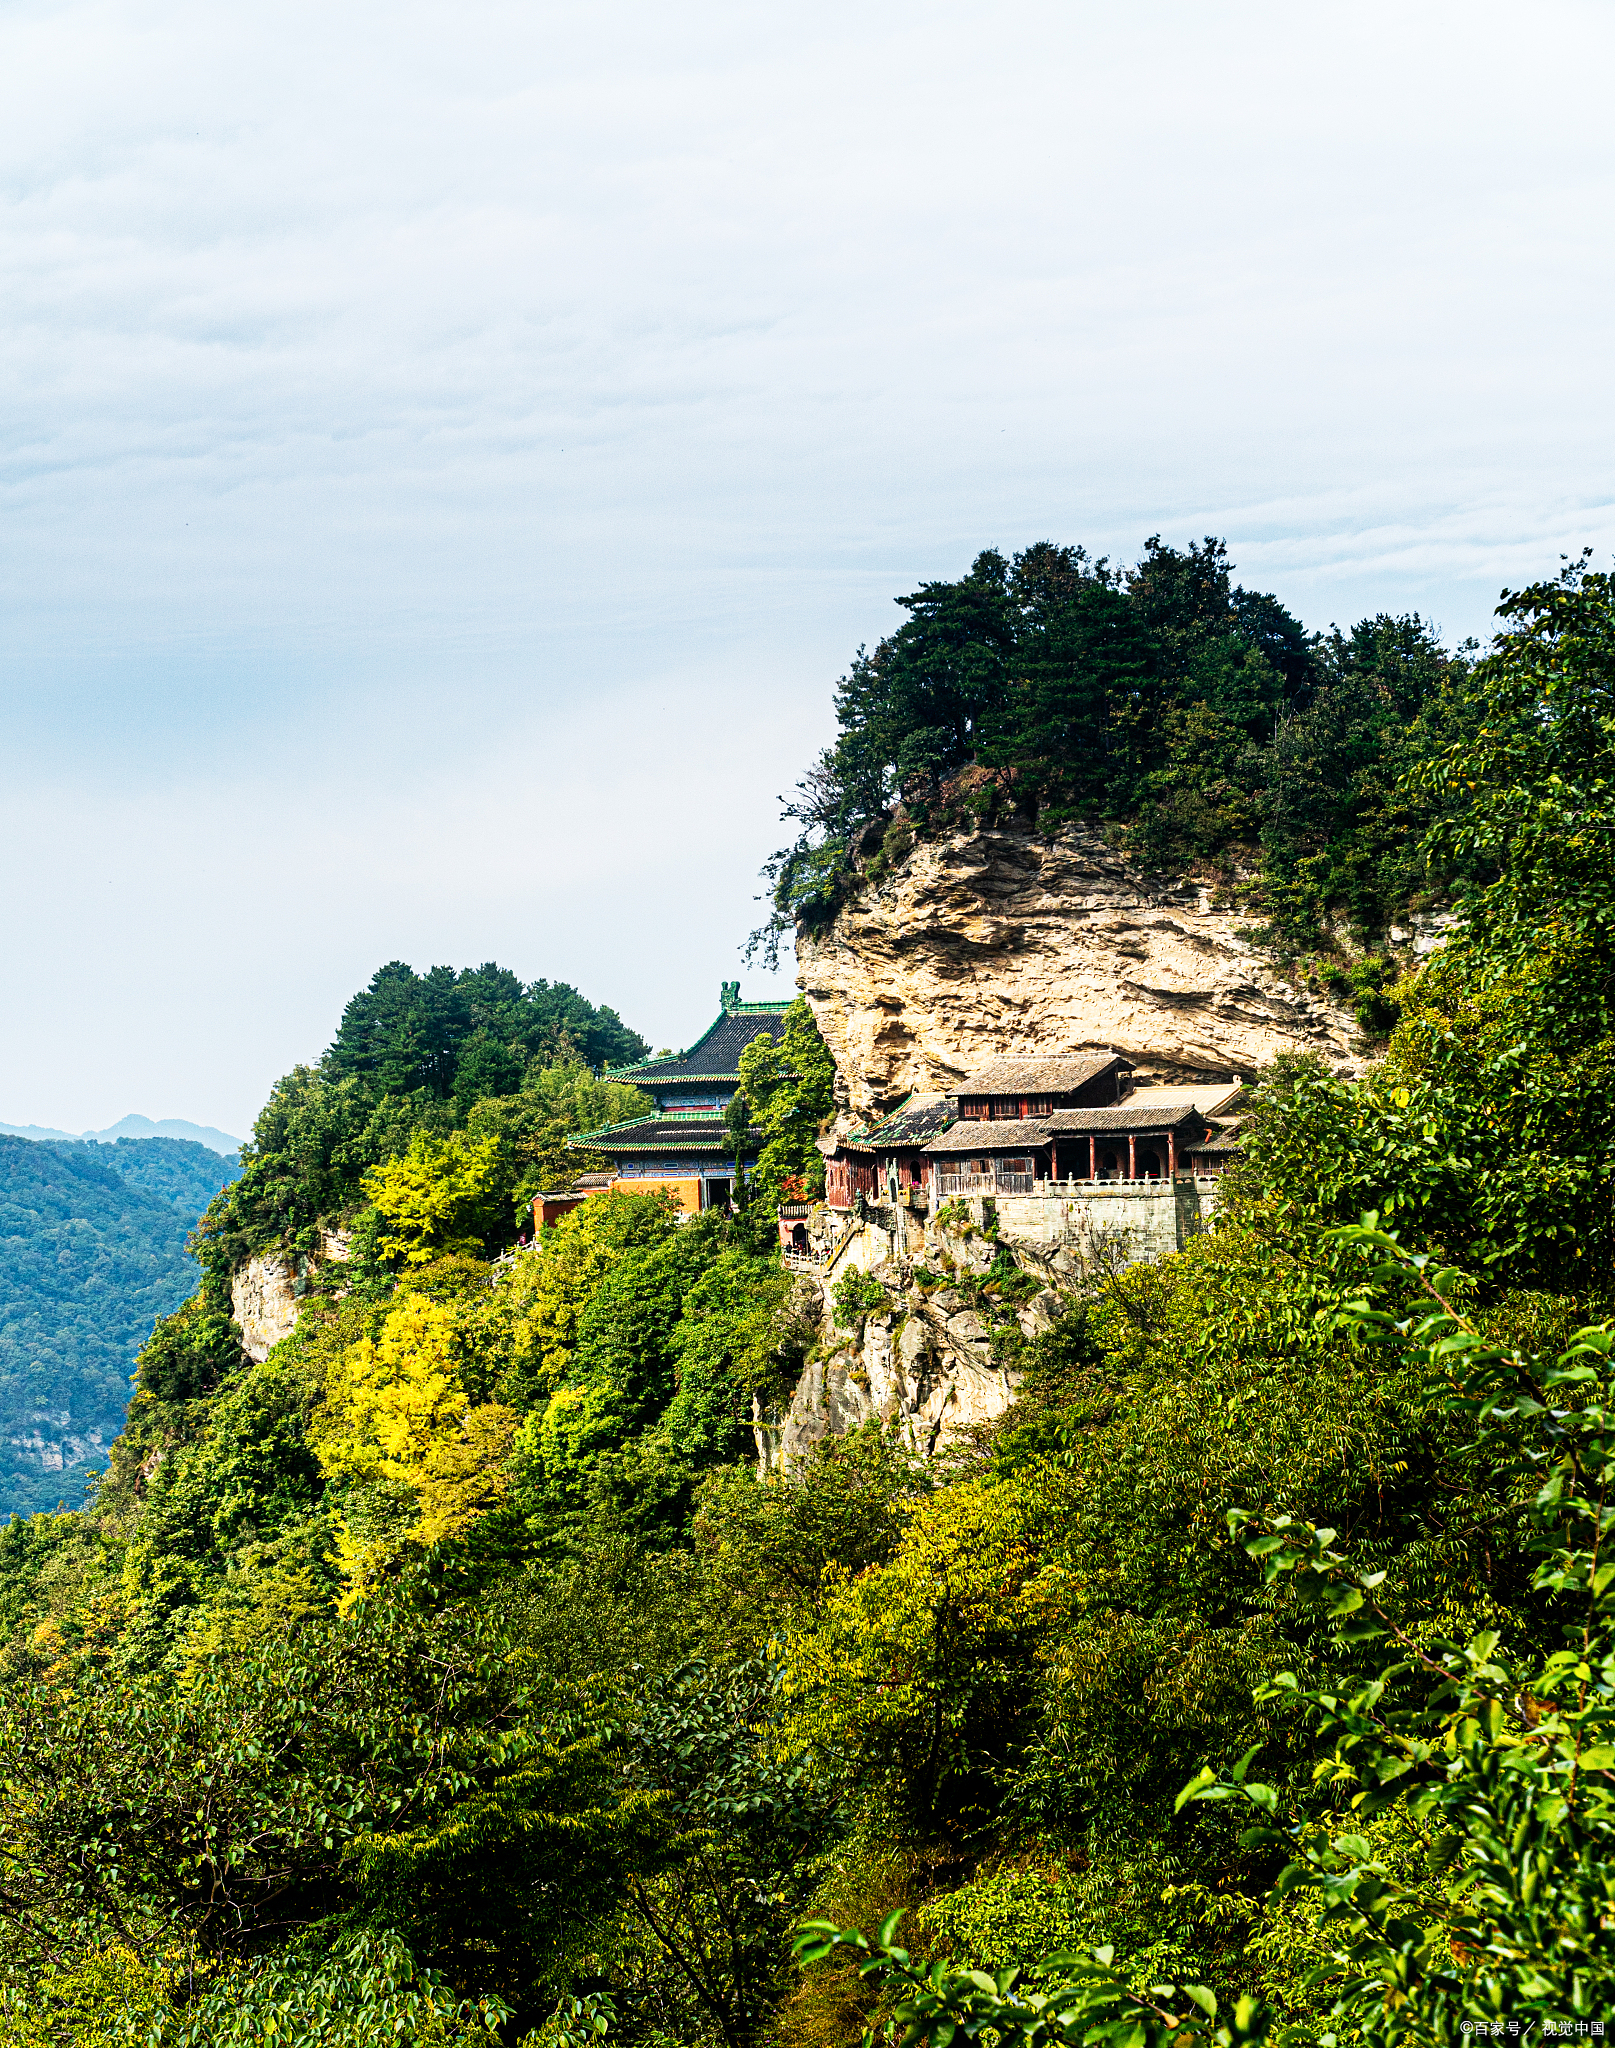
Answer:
(923, 1359)
(265, 1295)
(999, 943)
(48, 1439)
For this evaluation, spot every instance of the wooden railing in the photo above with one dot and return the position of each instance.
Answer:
(954, 1184)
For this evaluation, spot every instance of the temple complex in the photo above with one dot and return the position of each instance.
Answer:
(684, 1145)
(1019, 1124)
(1063, 1147)
(1069, 1140)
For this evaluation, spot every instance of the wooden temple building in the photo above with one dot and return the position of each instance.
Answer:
(1014, 1127)
(683, 1145)
(1017, 1124)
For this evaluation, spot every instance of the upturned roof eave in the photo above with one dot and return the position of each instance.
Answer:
(724, 1151)
(643, 1071)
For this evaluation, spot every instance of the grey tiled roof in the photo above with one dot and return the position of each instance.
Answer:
(1138, 1113)
(1038, 1077)
(1009, 1134)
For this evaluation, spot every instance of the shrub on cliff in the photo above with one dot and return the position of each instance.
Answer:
(791, 1091)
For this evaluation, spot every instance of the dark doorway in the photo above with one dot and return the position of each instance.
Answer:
(799, 1237)
(717, 1194)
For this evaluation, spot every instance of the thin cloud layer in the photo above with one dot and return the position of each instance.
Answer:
(417, 420)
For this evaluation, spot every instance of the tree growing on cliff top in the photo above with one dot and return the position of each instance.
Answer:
(425, 1054)
(471, 1033)
(1166, 700)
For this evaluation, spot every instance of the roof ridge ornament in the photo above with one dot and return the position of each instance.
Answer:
(729, 997)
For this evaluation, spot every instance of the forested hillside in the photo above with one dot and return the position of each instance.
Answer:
(92, 1253)
(474, 1067)
(454, 1676)
(1195, 719)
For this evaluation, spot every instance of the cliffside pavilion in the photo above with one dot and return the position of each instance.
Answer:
(1004, 1090)
(879, 1162)
(1112, 1179)
(1136, 1140)
(684, 1145)
(1018, 1124)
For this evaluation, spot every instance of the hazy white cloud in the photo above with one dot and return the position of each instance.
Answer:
(446, 454)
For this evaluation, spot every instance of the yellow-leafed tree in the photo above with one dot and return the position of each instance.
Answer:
(397, 1422)
(439, 1198)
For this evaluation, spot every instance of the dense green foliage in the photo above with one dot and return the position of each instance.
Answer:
(471, 1033)
(476, 1051)
(176, 1170)
(92, 1253)
(789, 1092)
(1192, 716)
(453, 1674)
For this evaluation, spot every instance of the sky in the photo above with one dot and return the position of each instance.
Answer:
(449, 453)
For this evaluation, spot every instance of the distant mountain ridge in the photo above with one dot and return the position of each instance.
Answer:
(92, 1252)
(131, 1126)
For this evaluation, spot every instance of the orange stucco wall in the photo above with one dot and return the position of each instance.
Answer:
(687, 1189)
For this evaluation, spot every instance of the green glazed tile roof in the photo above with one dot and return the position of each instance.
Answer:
(919, 1119)
(715, 1055)
(671, 1136)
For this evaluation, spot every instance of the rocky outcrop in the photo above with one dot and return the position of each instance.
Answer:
(263, 1300)
(929, 1369)
(50, 1442)
(924, 1358)
(266, 1293)
(1000, 943)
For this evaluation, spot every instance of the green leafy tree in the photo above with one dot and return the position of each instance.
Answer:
(408, 1032)
(778, 1548)
(734, 1823)
(641, 1342)
(393, 1768)
(1501, 1759)
(443, 1196)
(1346, 811)
(791, 1090)
(1064, 2001)
(423, 1054)
(738, 1126)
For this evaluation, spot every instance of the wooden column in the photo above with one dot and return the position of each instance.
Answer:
(1132, 1156)
(1093, 1158)
(1171, 1155)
